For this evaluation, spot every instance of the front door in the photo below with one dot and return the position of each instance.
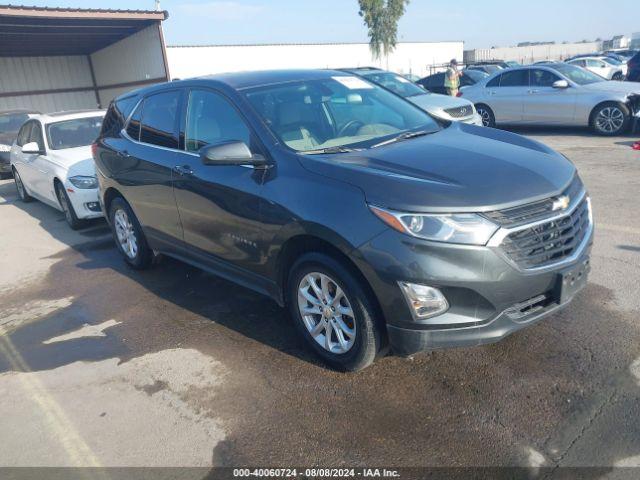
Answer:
(219, 205)
(545, 104)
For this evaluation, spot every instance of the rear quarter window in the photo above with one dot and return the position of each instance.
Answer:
(116, 116)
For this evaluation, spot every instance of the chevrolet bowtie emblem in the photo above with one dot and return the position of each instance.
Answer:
(561, 203)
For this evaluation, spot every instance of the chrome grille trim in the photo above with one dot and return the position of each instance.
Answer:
(500, 238)
(460, 112)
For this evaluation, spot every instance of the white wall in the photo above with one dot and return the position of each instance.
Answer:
(21, 74)
(135, 58)
(193, 61)
(533, 53)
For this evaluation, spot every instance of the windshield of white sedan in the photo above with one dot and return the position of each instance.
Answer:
(336, 112)
(78, 132)
(578, 75)
(397, 84)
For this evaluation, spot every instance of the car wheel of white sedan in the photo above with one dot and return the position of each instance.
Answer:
(488, 119)
(67, 207)
(610, 119)
(22, 191)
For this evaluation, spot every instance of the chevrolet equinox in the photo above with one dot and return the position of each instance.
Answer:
(377, 226)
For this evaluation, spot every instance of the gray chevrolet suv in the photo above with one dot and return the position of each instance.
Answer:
(377, 226)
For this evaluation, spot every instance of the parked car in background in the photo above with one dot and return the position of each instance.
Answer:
(607, 68)
(512, 63)
(556, 94)
(10, 123)
(435, 83)
(622, 55)
(372, 223)
(444, 107)
(488, 68)
(52, 162)
(411, 77)
(633, 69)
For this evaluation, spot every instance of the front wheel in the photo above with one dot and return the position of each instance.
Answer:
(67, 207)
(610, 119)
(333, 312)
(488, 118)
(128, 235)
(22, 191)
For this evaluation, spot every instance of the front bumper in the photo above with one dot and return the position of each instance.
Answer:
(475, 120)
(483, 289)
(85, 202)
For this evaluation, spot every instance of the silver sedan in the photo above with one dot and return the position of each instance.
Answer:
(556, 94)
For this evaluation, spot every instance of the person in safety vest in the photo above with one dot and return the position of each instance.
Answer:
(452, 79)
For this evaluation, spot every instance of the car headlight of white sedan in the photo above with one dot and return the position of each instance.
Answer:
(84, 182)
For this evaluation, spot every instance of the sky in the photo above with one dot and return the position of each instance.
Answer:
(479, 23)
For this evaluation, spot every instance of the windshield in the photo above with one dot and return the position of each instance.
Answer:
(395, 83)
(475, 75)
(612, 61)
(12, 123)
(78, 132)
(336, 112)
(578, 75)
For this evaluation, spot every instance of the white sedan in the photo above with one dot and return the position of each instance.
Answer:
(606, 67)
(52, 162)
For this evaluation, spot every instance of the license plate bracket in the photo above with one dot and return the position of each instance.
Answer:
(571, 280)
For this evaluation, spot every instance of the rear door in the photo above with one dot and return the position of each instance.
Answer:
(505, 94)
(599, 67)
(147, 166)
(547, 105)
(219, 205)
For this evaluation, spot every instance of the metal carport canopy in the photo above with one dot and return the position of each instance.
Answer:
(44, 31)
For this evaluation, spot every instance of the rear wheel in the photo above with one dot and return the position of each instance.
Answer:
(488, 118)
(333, 312)
(22, 191)
(67, 207)
(610, 119)
(128, 235)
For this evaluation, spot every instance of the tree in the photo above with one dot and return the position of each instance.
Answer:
(381, 18)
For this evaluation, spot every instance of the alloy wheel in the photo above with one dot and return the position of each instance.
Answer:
(486, 117)
(125, 233)
(326, 313)
(609, 120)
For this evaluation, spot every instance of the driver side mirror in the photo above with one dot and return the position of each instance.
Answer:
(231, 153)
(560, 84)
(31, 148)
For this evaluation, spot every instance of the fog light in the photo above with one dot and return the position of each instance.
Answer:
(93, 206)
(424, 302)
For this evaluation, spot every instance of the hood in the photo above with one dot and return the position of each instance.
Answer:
(613, 86)
(78, 161)
(436, 102)
(462, 168)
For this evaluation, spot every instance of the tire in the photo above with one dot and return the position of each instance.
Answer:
(67, 207)
(128, 235)
(356, 351)
(488, 118)
(22, 190)
(610, 119)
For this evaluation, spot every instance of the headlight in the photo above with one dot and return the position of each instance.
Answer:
(5, 148)
(84, 182)
(465, 228)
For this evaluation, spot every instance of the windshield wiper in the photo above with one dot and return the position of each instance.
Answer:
(337, 149)
(403, 136)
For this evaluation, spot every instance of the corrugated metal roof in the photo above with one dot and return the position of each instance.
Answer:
(10, 9)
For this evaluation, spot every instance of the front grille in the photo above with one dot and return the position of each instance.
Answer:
(460, 112)
(549, 242)
(531, 212)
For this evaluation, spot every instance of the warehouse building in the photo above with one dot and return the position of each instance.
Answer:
(408, 57)
(532, 53)
(55, 59)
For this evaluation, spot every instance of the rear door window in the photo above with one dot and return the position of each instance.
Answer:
(514, 78)
(159, 119)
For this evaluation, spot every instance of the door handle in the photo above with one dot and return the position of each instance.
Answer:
(123, 154)
(183, 170)
(533, 91)
(491, 92)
